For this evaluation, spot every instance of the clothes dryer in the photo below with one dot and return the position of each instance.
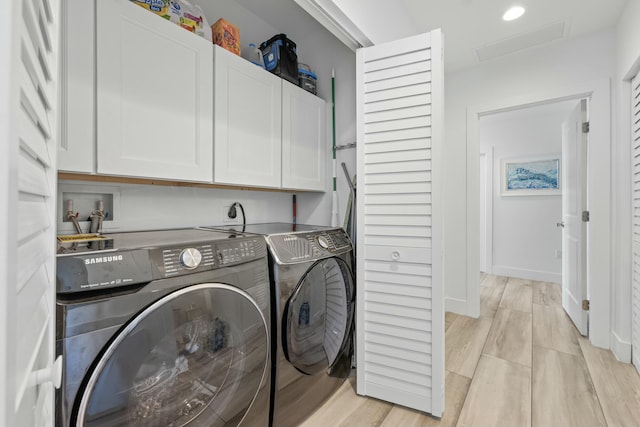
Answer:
(164, 328)
(313, 297)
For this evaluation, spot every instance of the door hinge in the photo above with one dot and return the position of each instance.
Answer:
(585, 304)
(585, 127)
(585, 216)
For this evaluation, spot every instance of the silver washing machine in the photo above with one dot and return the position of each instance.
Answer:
(164, 328)
(313, 296)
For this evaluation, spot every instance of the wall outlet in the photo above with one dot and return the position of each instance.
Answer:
(225, 215)
(559, 253)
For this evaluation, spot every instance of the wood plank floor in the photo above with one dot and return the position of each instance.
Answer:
(522, 363)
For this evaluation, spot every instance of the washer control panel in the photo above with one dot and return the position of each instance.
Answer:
(196, 257)
(177, 260)
(305, 246)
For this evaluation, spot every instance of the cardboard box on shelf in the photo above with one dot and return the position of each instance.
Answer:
(180, 12)
(226, 35)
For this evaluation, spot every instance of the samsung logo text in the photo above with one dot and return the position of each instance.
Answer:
(103, 259)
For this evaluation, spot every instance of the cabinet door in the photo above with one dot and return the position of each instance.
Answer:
(304, 139)
(248, 129)
(76, 149)
(154, 96)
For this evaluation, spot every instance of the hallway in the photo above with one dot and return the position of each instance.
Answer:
(522, 363)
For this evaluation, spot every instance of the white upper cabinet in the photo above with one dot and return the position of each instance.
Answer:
(247, 117)
(76, 148)
(304, 139)
(154, 96)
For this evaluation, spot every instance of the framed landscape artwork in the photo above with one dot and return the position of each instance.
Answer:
(536, 176)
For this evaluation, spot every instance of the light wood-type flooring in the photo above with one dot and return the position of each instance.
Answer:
(522, 363)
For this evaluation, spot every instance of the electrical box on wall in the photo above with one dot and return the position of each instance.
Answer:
(84, 201)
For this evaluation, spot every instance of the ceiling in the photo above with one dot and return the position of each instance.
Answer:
(474, 29)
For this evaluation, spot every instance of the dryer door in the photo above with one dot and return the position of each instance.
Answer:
(317, 318)
(198, 356)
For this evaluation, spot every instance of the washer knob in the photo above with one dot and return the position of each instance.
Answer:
(190, 258)
(322, 241)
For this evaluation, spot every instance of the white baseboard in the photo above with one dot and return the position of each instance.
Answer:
(455, 305)
(521, 273)
(620, 348)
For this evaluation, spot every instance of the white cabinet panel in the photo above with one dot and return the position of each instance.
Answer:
(248, 122)
(154, 96)
(76, 148)
(304, 139)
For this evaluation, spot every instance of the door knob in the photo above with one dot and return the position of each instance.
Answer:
(560, 224)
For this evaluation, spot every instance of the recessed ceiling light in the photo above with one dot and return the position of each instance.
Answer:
(513, 13)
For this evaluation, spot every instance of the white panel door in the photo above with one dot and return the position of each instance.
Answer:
(77, 147)
(635, 185)
(304, 139)
(29, 127)
(248, 122)
(574, 229)
(154, 96)
(400, 306)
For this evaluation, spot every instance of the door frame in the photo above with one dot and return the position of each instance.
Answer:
(599, 177)
(488, 214)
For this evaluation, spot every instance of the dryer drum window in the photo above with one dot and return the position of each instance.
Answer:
(199, 353)
(318, 316)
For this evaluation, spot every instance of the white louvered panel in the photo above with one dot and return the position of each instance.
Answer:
(32, 140)
(381, 360)
(400, 354)
(406, 376)
(397, 135)
(391, 146)
(398, 103)
(398, 156)
(398, 82)
(33, 177)
(398, 113)
(33, 310)
(400, 299)
(391, 341)
(408, 290)
(387, 276)
(33, 216)
(399, 177)
(398, 231)
(635, 158)
(398, 124)
(404, 322)
(400, 94)
(398, 188)
(36, 132)
(415, 209)
(409, 165)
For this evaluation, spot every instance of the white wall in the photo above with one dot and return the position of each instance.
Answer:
(627, 63)
(149, 207)
(541, 70)
(524, 236)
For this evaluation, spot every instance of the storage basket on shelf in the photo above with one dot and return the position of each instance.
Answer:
(280, 57)
(308, 79)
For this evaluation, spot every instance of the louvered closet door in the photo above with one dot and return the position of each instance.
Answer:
(635, 292)
(400, 309)
(28, 296)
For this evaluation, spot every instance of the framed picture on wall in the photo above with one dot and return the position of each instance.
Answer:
(534, 176)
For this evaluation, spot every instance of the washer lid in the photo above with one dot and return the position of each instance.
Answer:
(200, 353)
